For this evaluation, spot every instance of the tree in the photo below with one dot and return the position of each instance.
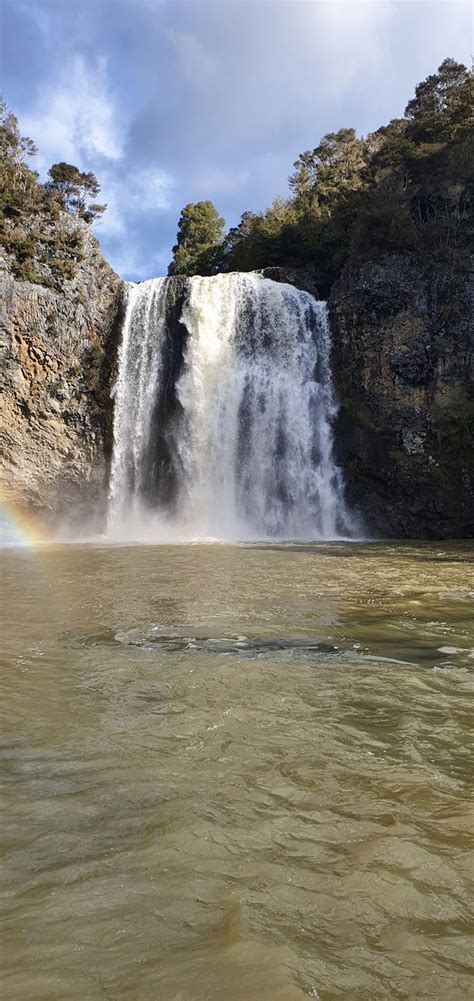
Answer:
(199, 240)
(240, 233)
(240, 252)
(75, 189)
(20, 193)
(39, 247)
(406, 188)
(16, 179)
(442, 104)
(332, 170)
(14, 148)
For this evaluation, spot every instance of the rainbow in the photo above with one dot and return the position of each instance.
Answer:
(19, 527)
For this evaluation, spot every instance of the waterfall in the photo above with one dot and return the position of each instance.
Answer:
(224, 409)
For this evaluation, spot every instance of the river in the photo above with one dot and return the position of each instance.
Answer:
(236, 773)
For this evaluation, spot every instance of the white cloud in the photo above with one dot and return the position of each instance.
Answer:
(150, 189)
(195, 61)
(139, 193)
(74, 116)
(212, 181)
(355, 40)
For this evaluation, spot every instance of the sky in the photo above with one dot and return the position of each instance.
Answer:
(174, 101)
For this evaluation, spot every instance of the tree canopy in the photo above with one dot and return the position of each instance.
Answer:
(327, 173)
(199, 241)
(406, 188)
(75, 189)
(14, 148)
(442, 104)
(41, 249)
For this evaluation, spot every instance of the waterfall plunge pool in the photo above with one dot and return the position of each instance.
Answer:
(236, 771)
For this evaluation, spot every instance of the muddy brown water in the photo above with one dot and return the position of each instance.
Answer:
(236, 772)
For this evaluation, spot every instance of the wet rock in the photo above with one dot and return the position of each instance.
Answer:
(402, 363)
(304, 277)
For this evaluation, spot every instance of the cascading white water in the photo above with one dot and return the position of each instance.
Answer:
(139, 369)
(245, 447)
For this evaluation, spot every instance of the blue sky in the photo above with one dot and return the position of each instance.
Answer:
(170, 102)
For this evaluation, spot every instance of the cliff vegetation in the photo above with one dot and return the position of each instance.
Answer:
(406, 188)
(59, 318)
(41, 244)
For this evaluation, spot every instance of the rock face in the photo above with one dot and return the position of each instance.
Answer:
(58, 351)
(402, 366)
(402, 362)
(302, 277)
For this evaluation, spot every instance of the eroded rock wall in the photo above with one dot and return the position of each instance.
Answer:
(58, 348)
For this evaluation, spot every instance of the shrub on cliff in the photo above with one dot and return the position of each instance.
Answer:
(75, 189)
(39, 246)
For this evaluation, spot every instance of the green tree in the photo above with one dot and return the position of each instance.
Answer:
(18, 183)
(406, 188)
(21, 196)
(239, 234)
(14, 148)
(39, 248)
(334, 169)
(200, 240)
(245, 244)
(439, 127)
(75, 188)
(442, 104)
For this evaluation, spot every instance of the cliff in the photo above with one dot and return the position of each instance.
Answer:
(57, 343)
(402, 364)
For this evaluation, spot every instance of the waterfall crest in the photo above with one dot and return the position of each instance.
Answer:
(224, 408)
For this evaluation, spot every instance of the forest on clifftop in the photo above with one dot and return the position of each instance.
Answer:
(406, 188)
